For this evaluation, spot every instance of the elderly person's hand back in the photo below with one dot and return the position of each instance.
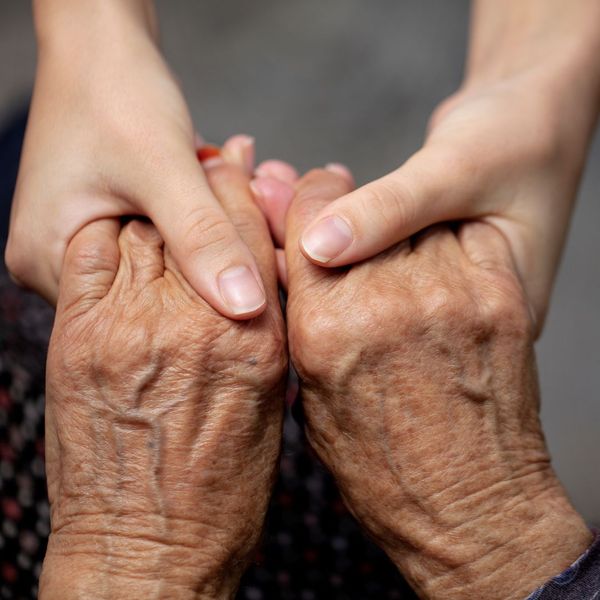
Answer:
(420, 393)
(163, 417)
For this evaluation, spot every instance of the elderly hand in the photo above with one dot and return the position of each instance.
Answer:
(420, 394)
(163, 417)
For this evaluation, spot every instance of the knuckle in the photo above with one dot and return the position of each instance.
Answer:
(391, 200)
(313, 340)
(505, 308)
(207, 231)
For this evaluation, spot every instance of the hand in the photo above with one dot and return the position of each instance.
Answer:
(109, 134)
(507, 149)
(419, 389)
(163, 417)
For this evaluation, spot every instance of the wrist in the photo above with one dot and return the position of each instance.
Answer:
(69, 24)
(547, 44)
(123, 574)
(506, 553)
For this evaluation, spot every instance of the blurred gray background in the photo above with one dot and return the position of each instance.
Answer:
(354, 81)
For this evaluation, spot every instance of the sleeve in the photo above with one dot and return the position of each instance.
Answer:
(581, 581)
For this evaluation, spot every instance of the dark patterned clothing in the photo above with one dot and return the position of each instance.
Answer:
(581, 581)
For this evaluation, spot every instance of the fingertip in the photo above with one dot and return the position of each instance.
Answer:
(342, 171)
(240, 150)
(277, 169)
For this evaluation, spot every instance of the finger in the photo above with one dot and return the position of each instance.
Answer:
(277, 169)
(273, 197)
(230, 184)
(281, 268)
(485, 246)
(203, 240)
(90, 265)
(141, 254)
(424, 191)
(314, 192)
(438, 244)
(239, 150)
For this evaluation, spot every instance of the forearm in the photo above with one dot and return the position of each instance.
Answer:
(554, 44)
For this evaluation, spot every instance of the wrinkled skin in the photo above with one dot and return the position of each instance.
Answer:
(163, 417)
(420, 394)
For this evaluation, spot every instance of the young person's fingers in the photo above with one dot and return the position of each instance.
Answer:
(314, 192)
(204, 242)
(239, 150)
(273, 197)
(229, 182)
(277, 169)
(384, 212)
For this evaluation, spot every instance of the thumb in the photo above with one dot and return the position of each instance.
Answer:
(203, 240)
(314, 192)
(424, 191)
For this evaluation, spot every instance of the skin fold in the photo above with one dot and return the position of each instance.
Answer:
(163, 417)
(419, 388)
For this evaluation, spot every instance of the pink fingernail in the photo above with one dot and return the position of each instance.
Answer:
(327, 239)
(240, 290)
(240, 150)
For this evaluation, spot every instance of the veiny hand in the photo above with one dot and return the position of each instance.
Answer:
(163, 417)
(507, 149)
(109, 134)
(419, 388)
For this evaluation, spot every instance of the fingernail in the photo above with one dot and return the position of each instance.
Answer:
(207, 151)
(240, 150)
(340, 169)
(327, 239)
(240, 290)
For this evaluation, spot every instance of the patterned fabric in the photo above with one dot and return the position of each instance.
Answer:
(581, 581)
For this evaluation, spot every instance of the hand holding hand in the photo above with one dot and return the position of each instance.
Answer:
(419, 388)
(109, 134)
(163, 417)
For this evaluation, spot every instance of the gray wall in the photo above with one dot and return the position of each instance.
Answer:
(354, 81)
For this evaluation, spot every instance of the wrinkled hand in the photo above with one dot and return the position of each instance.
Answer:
(163, 417)
(419, 388)
(109, 134)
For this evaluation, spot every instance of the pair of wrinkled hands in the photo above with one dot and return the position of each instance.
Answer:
(164, 418)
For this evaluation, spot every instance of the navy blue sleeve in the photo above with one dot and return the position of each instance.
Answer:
(581, 581)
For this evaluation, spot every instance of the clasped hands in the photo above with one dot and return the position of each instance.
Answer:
(418, 385)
